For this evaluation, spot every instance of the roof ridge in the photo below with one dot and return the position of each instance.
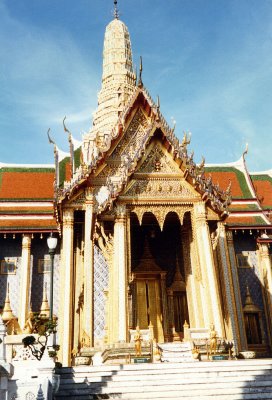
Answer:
(267, 172)
(14, 165)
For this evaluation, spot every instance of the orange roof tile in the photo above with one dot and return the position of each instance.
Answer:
(26, 184)
(223, 175)
(263, 189)
(246, 220)
(243, 207)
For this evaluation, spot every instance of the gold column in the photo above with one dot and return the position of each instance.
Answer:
(67, 290)
(120, 275)
(232, 319)
(89, 266)
(165, 312)
(213, 313)
(236, 289)
(25, 281)
(192, 278)
(267, 278)
(266, 267)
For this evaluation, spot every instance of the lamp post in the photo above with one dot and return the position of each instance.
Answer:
(52, 244)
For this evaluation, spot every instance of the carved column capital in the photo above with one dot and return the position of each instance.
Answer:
(264, 250)
(121, 213)
(89, 194)
(199, 213)
(26, 242)
(68, 218)
(229, 236)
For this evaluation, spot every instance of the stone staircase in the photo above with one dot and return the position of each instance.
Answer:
(176, 352)
(224, 380)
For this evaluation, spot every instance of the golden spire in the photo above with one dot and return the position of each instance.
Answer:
(7, 311)
(44, 310)
(118, 78)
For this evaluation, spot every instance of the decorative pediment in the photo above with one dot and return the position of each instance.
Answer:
(157, 162)
(160, 188)
(135, 149)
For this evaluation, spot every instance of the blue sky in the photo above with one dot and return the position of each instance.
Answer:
(209, 60)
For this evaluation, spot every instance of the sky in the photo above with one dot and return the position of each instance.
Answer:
(210, 61)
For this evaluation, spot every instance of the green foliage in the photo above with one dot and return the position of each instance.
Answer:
(44, 328)
(28, 341)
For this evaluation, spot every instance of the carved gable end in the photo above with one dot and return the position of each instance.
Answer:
(158, 177)
(133, 136)
(157, 161)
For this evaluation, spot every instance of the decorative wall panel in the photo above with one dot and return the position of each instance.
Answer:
(101, 278)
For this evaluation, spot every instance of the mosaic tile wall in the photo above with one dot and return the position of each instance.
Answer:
(11, 249)
(250, 276)
(101, 278)
(39, 251)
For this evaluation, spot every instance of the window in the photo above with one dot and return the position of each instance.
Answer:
(8, 266)
(44, 266)
(243, 260)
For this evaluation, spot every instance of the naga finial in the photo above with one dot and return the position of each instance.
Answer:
(202, 164)
(228, 188)
(186, 139)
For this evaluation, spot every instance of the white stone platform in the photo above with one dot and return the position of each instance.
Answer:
(224, 380)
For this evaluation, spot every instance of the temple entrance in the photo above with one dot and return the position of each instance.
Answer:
(180, 311)
(158, 277)
(149, 305)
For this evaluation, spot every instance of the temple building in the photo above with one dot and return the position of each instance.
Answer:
(147, 236)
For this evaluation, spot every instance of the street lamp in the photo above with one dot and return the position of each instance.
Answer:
(52, 244)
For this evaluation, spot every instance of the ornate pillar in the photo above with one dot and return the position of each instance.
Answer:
(66, 318)
(207, 268)
(267, 278)
(25, 281)
(89, 266)
(232, 320)
(120, 273)
(266, 267)
(236, 290)
(165, 313)
(192, 277)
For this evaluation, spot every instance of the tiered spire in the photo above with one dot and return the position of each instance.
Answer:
(44, 310)
(7, 311)
(118, 78)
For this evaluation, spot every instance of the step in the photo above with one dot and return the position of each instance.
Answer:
(229, 380)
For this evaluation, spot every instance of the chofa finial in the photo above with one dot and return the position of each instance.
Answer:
(116, 12)
(140, 82)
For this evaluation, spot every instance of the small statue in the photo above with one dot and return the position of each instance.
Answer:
(213, 339)
(29, 325)
(138, 342)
